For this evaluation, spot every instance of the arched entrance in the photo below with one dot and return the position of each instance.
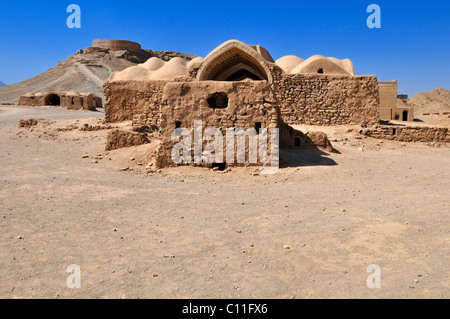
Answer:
(53, 99)
(234, 61)
(405, 116)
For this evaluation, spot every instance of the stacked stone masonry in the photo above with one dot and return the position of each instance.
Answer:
(409, 133)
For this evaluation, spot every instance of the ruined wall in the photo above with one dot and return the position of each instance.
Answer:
(409, 133)
(139, 101)
(117, 45)
(315, 99)
(250, 105)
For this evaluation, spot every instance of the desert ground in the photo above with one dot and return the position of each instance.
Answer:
(309, 231)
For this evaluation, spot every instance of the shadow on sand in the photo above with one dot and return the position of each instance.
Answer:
(295, 157)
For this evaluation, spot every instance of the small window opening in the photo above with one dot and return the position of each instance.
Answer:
(218, 101)
(177, 124)
(320, 71)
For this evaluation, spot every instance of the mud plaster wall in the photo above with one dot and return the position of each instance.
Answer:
(139, 101)
(302, 99)
(249, 103)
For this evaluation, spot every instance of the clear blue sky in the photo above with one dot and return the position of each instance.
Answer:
(412, 46)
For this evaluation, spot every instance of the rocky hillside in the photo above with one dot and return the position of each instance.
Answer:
(83, 72)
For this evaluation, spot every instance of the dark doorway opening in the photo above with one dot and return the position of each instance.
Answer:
(258, 126)
(320, 71)
(405, 116)
(53, 99)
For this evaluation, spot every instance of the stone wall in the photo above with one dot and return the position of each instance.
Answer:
(409, 133)
(166, 106)
(314, 99)
(117, 45)
(301, 98)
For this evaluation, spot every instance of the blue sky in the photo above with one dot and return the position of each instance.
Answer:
(412, 46)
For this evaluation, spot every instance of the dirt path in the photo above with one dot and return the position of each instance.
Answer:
(387, 205)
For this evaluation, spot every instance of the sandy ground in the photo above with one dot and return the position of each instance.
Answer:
(383, 203)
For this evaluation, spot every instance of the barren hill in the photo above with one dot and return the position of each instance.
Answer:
(436, 101)
(83, 72)
(432, 107)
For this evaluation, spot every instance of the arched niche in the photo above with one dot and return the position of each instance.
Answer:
(234, 61)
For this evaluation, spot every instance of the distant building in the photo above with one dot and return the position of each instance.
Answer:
(70, 100)
(389, 109)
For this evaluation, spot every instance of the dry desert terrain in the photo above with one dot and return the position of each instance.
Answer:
(309, 231)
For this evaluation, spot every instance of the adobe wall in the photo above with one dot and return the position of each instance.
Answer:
(185, 102)
(315, 99)
(117, 45)
(409, 133)
(302, 98)
(133, 100)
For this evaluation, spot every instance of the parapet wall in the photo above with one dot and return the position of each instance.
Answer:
(301, 99)
(117, 45)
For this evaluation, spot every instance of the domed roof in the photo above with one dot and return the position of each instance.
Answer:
(156, 69)
(319, 64)
(288, 62)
